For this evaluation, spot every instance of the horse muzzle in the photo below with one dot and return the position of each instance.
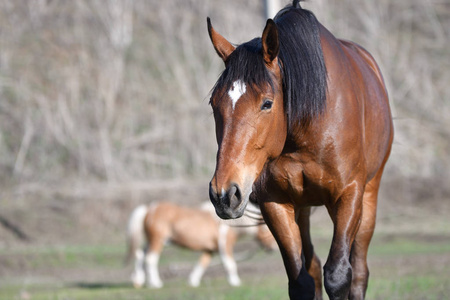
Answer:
(228, 203)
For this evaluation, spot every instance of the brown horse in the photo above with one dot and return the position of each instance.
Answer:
(196, 229)
(303, 119)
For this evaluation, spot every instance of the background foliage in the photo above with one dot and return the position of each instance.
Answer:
(118, 90)
(116, 93)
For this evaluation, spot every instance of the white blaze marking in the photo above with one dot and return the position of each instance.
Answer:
(237, 91)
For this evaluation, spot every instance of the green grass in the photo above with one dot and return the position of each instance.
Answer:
(409, 268)
(410, 287)
(211, 289)
(408, 246)
(401, 268)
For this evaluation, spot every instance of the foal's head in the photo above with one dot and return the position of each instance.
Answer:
(247, 102)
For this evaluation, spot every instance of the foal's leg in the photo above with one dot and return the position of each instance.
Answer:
(358, 255)
(197, 273)
(281, 220)
(312, 262)
(138, 276)
(226, 241)
(346, 214)
(151, 261)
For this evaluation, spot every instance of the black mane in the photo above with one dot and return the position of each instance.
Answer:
(301, 62)
(303, 67)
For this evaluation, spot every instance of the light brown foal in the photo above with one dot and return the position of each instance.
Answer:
(303, 119)
(198, 229)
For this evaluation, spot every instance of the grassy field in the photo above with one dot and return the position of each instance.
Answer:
(402, 267)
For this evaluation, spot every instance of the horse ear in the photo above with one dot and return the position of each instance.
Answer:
(270, 43)
(222, 46)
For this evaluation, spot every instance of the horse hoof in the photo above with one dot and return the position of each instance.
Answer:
(235, 282)
(138, 280)
(137, 285)
(194, 284)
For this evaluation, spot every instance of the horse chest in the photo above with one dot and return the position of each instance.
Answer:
(305, 183)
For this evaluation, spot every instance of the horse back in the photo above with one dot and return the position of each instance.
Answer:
(357, 90)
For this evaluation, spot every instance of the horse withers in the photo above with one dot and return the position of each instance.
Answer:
(198, 229)
(303, 119)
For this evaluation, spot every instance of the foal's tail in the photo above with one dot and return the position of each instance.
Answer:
(135, 231)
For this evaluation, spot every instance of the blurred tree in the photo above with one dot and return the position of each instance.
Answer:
(118, 90)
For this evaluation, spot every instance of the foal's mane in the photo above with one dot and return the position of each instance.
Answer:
(301, 62)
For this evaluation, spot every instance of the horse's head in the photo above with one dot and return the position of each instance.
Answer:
(247, 102)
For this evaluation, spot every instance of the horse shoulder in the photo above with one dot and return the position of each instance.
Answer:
(316, 173)
(298, 178)
(286, 174)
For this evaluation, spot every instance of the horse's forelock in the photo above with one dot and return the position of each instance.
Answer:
(302, 65)
(245, 64)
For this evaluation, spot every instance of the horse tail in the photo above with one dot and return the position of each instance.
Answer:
(135, 231)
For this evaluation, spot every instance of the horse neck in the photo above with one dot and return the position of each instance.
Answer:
(301, 137)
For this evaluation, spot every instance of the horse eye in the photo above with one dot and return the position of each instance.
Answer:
(267, 105)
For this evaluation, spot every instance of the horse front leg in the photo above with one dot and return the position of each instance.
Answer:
(312, 262)
(346, 215)
(281, 220)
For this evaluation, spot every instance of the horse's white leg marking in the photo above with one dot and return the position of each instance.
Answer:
(136, 237)
(196, 275)
(228, 261)
(237, 91)
(153, 279)
(230, 265)
(138, 276)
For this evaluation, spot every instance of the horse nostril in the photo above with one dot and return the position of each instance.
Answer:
(236, 191)
(232, 191)
(228, 203)
(234, 195)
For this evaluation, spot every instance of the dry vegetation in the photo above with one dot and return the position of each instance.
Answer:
(117, 91)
